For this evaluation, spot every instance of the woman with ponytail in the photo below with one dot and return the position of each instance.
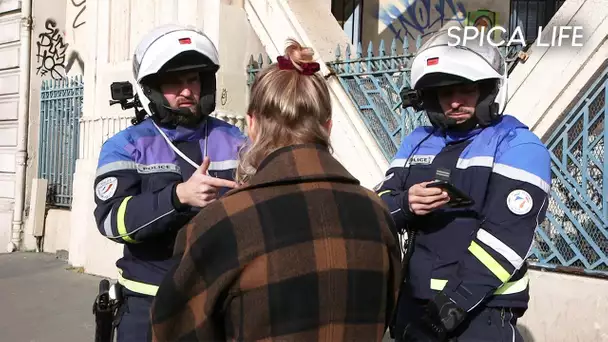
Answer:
(300, 251)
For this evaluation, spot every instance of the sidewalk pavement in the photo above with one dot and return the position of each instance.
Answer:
(44, 300)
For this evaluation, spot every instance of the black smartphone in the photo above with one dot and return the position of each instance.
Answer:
(458, 198)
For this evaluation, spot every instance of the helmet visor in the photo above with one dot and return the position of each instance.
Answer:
(189, 61)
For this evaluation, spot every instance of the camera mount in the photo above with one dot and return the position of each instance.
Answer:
(411, 98)
(122, 93)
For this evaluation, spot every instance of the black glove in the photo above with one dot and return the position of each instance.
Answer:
(441, 317)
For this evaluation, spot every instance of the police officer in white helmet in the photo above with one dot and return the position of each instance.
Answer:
(470, 191)
(153, 177)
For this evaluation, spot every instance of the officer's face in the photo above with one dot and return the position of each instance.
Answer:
(182, 90)
(458, 101)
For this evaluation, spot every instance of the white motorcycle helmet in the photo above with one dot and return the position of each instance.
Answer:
(447, 59)
(173, 48)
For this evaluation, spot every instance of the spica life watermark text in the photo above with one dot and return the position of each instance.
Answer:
(558, 36)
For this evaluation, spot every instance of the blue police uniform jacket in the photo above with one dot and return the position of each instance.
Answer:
(475, 255)
(135, 197)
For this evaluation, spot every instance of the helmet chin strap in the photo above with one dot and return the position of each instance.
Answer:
(444, 123)
(467, 125)
(439, 120)
(435, 112)
(486, 110)
(167, 116)
(180, 116)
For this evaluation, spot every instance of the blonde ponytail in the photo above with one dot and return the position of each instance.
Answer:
(290, 106)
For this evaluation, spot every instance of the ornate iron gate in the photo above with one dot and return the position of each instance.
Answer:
(60, 112)
(574, 237)
(373, 80)
(373, 83)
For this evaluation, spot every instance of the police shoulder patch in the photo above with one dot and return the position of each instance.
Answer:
(519, 202)
(106, 188)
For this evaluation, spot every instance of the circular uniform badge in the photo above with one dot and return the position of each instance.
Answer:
(519, 202)
(106, 188)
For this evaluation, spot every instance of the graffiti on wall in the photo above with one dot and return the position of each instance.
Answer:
(51, 51)
(420, 17)
(78, 19)
(74, 56)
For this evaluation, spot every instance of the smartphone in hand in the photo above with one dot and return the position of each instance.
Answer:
(458, 199)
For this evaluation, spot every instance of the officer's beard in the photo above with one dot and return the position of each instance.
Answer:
(190, 120)
(189, 117)
(466, 125)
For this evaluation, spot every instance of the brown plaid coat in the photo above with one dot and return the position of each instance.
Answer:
(302, 253)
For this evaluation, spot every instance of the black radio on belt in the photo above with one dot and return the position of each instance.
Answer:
(458, 199)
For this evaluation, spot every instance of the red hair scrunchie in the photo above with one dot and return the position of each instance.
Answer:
(307, 68)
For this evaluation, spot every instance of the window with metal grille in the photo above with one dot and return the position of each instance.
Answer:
(530, 14)
(349, 14)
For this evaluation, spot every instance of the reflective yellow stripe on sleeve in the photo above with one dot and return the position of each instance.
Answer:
(508, 288)
(120, 220)
(383, 192)
(137, 286)
(488, 261)
(514, 286)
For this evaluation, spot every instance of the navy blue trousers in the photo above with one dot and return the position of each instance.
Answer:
(482, 325)
(134, 325)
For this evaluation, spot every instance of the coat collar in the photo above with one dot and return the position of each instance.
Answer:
(181, 133)
(299, 164)
(456, 136)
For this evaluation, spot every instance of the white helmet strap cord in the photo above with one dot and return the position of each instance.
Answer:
(180, 153)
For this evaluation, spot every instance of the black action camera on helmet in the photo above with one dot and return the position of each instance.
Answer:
(411, 98)
(121, 93)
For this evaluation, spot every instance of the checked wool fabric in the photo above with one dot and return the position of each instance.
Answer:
(302, 253)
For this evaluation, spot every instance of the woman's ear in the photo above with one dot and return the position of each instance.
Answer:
(251, 126)
(328, 124)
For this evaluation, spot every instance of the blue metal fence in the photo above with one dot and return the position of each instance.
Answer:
(373, 82)
(60, 111)
(574, 237)
(372, 79)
